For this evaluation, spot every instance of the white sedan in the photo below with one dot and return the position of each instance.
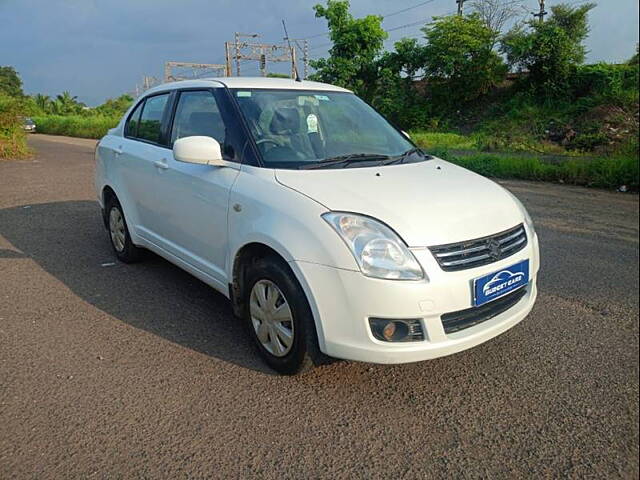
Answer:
(330, 232)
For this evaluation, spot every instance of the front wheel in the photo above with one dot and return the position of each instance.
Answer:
(279, 317)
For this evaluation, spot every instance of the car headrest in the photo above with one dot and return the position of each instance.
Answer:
(208, 124)
(285, 121)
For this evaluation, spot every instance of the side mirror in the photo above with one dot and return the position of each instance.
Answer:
(200, 150)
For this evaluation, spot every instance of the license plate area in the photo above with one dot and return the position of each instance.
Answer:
(497, 284)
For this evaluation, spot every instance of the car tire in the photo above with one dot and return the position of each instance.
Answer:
(119, 235)
(303, 353)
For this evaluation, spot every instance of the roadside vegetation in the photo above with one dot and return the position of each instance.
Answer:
(90, 126)
(13, 144)
(518, 103)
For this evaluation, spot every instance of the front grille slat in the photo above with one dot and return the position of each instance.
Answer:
(459, 252)
(480, 251)
(456, 321)
(513, 245)
(465, 261)
(518, 233)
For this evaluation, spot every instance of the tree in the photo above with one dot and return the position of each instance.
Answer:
(10, 83)
(43, 102)
(397, 96)
(549, 51)
(66, 104)
(357, 43)
(496, 13)
(459, 58)
(115, 107)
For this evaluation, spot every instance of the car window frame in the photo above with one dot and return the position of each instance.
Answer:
(231, 117)
(126, 131)
(169, 106)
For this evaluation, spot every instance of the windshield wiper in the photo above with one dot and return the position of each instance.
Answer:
(403, 156)
(344, 160)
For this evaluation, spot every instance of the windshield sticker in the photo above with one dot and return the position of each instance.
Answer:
(243, 94)
(324, 98)
(312, 123)
(307, 100)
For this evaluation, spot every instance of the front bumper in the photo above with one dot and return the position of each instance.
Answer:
(343, 300)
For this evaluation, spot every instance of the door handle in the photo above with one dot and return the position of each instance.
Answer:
(161, 164)
(118, 151)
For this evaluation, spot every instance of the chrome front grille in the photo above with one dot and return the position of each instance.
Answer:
(481, 251)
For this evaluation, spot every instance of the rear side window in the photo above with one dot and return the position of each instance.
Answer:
(150, 125)
(197, 114)
(131, 129)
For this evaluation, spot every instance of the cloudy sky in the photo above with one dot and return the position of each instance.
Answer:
(101, 48)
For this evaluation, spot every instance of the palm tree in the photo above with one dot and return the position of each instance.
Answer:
(42, 101)
(67, 103)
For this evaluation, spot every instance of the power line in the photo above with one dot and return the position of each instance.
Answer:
(406, 9)
(384, 17)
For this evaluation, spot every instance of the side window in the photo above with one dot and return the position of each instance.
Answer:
(131, 128)
(150, 124)
(197, 113)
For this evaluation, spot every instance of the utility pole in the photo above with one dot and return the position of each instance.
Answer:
(460, 5)
(305, 58)
(238, 47)
(262, 52)
(542, 11)
(227, 59)
(292, 52)
(236, 43)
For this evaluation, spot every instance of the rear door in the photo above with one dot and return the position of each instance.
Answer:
(194, 199)
(143, 155)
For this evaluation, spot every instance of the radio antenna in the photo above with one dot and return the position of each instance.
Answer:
(293, 58)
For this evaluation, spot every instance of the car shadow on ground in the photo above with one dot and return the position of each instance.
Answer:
(68, 240)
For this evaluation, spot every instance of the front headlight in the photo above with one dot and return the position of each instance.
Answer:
(380, 253)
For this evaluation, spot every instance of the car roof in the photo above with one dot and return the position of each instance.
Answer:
(250, 82)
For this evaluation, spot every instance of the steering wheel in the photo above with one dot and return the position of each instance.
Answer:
(268, 140)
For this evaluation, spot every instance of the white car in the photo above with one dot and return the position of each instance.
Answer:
(329, 231)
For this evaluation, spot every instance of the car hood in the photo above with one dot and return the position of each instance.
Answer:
(427, 203)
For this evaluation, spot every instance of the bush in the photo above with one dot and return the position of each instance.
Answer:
(75, 125)
(13, 142)
(609, 80)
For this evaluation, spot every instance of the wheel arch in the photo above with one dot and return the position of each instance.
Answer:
(253, 250)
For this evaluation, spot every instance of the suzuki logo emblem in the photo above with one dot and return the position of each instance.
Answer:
(494, 248)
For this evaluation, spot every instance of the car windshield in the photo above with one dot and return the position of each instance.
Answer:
(308, 129)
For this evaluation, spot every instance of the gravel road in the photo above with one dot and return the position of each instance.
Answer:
(110, 370)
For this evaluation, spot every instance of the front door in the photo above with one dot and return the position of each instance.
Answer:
(193, 200)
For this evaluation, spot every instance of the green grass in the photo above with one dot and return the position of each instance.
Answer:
(75, 125)
(483, 142)
(605, 172)
(443, 140)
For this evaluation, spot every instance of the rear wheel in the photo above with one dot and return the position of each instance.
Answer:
(279, 318)
(121, 242)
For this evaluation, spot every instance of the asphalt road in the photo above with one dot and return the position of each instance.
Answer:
(111, 370)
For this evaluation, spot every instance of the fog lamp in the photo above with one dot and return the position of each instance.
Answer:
(396, 330)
